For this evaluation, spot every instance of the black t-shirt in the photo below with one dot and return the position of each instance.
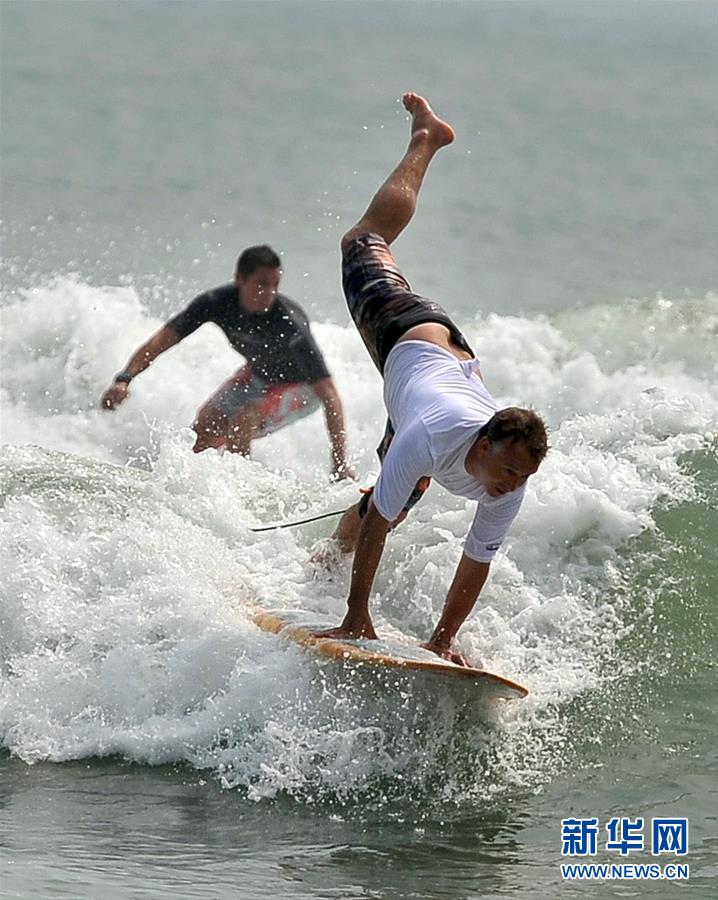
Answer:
(277, 344)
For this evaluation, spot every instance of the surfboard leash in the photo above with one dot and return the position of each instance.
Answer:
(299, 522)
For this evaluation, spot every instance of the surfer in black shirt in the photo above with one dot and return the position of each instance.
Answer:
(284, 377)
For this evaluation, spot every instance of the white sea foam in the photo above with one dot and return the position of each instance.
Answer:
(123, 628)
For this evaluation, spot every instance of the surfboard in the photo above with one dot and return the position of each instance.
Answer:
(300, 626)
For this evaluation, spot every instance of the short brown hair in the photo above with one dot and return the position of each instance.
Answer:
(515, 425)
(257, 257)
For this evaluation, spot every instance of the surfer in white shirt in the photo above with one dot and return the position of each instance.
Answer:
(443, 422)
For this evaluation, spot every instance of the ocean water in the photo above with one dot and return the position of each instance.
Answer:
(153, 742)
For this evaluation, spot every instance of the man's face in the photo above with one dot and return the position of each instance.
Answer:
(258, 291)
(501, 468)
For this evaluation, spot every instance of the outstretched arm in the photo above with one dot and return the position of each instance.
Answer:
(468, 581)
(370, 546)
(334, 417)
(162, 340)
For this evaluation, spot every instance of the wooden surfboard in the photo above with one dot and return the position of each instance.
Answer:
(300, 626)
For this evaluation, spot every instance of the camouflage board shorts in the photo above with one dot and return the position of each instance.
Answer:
(384, 307)
(381, 301)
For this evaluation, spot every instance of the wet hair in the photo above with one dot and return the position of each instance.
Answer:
(514, 425)
(258, 257)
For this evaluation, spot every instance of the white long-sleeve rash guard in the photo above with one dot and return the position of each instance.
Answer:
(437, 404)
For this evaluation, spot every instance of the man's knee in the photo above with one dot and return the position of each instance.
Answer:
(346, 240)
(206, 440)
(353, 233)
(210, 426)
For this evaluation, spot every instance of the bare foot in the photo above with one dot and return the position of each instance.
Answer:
(446, 653)
(350, 630)
(425, 123)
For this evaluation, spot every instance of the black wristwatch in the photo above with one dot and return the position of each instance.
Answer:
(124, 377)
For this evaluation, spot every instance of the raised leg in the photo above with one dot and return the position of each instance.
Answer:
(393, 205)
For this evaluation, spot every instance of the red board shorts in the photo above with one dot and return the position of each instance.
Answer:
(279, 404)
